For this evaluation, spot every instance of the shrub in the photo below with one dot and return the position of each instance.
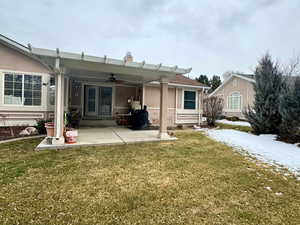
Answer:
(41, 126)
(213, 107)
(289, 108)
(233, 118)
(264, 116)
(73, 118)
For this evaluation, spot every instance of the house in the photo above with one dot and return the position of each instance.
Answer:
(237, 92)
(39, 83)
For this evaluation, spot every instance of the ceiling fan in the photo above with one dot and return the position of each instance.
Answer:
(113, 79)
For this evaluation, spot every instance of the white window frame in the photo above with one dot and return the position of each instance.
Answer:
(228, 102)
(50, 89)
(196, 100)
(23, 74)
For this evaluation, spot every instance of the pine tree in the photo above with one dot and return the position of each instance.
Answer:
(203, 79)
(289, 108)
(264, 116)
(215, 83)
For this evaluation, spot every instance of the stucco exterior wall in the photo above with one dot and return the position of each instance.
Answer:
(152, 101)
(244, 87)
(12, 61)
(176, 115)
(152, 97)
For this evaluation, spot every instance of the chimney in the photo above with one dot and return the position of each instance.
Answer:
(128, 57)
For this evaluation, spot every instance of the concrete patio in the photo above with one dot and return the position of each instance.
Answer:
(90, 136)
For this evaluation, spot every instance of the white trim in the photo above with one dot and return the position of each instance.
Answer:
(143, 94)
(176, 105)
(185, 111)
(106, 60)
(227, 80)
(58, 105)
(157, 108)
(245, 78)
(121, 107)
(12, 115)
(187, 121)
(23, 90)
(196, 100)
(221, 86)
(24, 72)
(180, 85)
(14, 43)
(241, 102)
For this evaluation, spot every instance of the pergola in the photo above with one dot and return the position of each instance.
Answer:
(62, 63)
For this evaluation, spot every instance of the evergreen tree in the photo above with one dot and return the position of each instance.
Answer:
(264, 116)
(289, 108)
(215, 83)
(203, 79)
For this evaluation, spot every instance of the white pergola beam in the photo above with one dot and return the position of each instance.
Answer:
(109, 61)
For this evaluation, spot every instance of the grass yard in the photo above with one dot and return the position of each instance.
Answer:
(234, 127)
(190, 181)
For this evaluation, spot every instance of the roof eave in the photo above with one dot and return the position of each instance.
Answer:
(109, 61)
(181, 85)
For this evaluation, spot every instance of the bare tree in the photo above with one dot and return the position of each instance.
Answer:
(213, 108)
(292, 68)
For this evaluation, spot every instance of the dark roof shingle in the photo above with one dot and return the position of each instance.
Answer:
(180, 79)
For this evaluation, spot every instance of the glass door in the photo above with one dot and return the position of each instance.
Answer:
(91, 100)
(105, 102)
(98, 102)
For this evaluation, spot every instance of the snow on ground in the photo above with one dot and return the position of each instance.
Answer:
(263, 147)
(237, 123)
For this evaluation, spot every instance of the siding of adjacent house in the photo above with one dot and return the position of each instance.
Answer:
(14, 61)
(236, 84)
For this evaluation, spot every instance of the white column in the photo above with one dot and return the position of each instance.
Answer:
(163, 112)
(176, 103)
(59, 109)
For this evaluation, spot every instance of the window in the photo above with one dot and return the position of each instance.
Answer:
(234, 101)
(52, 91)
(21, 89)
(189, 100)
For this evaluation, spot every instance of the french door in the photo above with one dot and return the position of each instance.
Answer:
(98, 101)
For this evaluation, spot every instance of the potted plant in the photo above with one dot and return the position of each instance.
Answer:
(72, 119)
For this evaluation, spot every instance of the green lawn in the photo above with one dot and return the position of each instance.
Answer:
(190, 181)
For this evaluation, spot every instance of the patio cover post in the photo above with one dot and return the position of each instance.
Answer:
(59, 108)
(163, 119)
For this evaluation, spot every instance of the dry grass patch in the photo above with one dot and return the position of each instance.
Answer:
(194, 180)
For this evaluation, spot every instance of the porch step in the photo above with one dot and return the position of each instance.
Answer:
(98, 123)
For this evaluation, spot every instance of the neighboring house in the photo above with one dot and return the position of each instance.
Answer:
(237, 92)
(100, 87)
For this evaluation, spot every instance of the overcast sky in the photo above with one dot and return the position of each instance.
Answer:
(212, 37)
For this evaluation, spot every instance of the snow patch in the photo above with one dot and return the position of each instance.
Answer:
(262, 147)
(268, 188)
(236, 123)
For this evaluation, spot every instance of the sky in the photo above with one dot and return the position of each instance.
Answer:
(212, 37)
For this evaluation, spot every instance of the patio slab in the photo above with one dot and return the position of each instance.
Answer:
(91, 136)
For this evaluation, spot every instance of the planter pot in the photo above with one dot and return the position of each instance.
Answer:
(70, 136)
(50, 129)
